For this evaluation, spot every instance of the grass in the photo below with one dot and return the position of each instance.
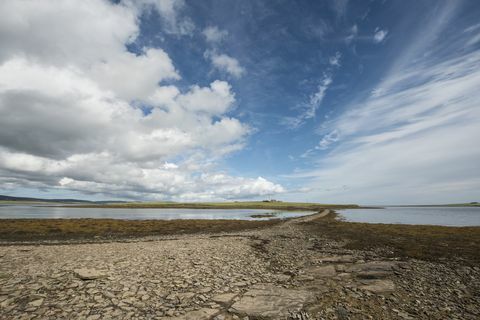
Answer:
(277, 205)
(66, 229)
(14, 202)
(434, 243)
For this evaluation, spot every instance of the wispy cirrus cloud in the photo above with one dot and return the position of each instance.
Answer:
(308, 109)
(379, 35)
(174, 22)
(404, 142)
(339, 7)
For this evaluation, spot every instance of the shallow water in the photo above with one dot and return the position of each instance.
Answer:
(442, 216)
(39, 212)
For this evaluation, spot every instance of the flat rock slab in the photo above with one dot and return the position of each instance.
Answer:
(373, 274)
(271, 302)
(202, 314)
(379, 286)
(338, 259)
(36, 303)
(321, 271)
(224, 299)
(386, 266)
(89, 274)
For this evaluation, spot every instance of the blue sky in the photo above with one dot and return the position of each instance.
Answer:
(370, 102)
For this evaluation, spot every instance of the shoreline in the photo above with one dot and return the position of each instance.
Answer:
(269, 205)
(429, 242)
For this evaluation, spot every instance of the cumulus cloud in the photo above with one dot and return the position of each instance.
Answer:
(72, 117)
(225, 63)
(65, 32)
(214, 35)
(127, 180)
(215, 100)
(142, 71)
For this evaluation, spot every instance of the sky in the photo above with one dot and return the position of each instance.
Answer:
(368, 102)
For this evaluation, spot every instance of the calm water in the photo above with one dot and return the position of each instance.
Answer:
(37, 212)
(443, 216)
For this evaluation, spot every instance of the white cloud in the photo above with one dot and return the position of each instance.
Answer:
(214, 35)
(309, 109)
(474, 29)
(169, 11)
(335, 60)
(415, 140)
(143, 72)
(340, 7)
(226, 63)
(215, 100)
(69, 98)
(65, 32)
(317, 98)
(124, 179)
(379, 35)
(353, 32)
(327, 140)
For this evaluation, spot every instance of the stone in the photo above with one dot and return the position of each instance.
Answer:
(89, 274)
(379, 286)
(185, 296)
(282, 278)
(338, 259)
(267, 301)
(321, 271)
(240, 284)
(386, 266)
(342, 313)
(205, 290)
(224, 299)
(202, 314)
(305, 277)
(36, 303)
(373, 274)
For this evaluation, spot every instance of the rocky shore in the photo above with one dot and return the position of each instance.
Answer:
(282, 271)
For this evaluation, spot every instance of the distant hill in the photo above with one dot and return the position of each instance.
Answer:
(25, 199)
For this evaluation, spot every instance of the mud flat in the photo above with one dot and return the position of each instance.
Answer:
(313, 267)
